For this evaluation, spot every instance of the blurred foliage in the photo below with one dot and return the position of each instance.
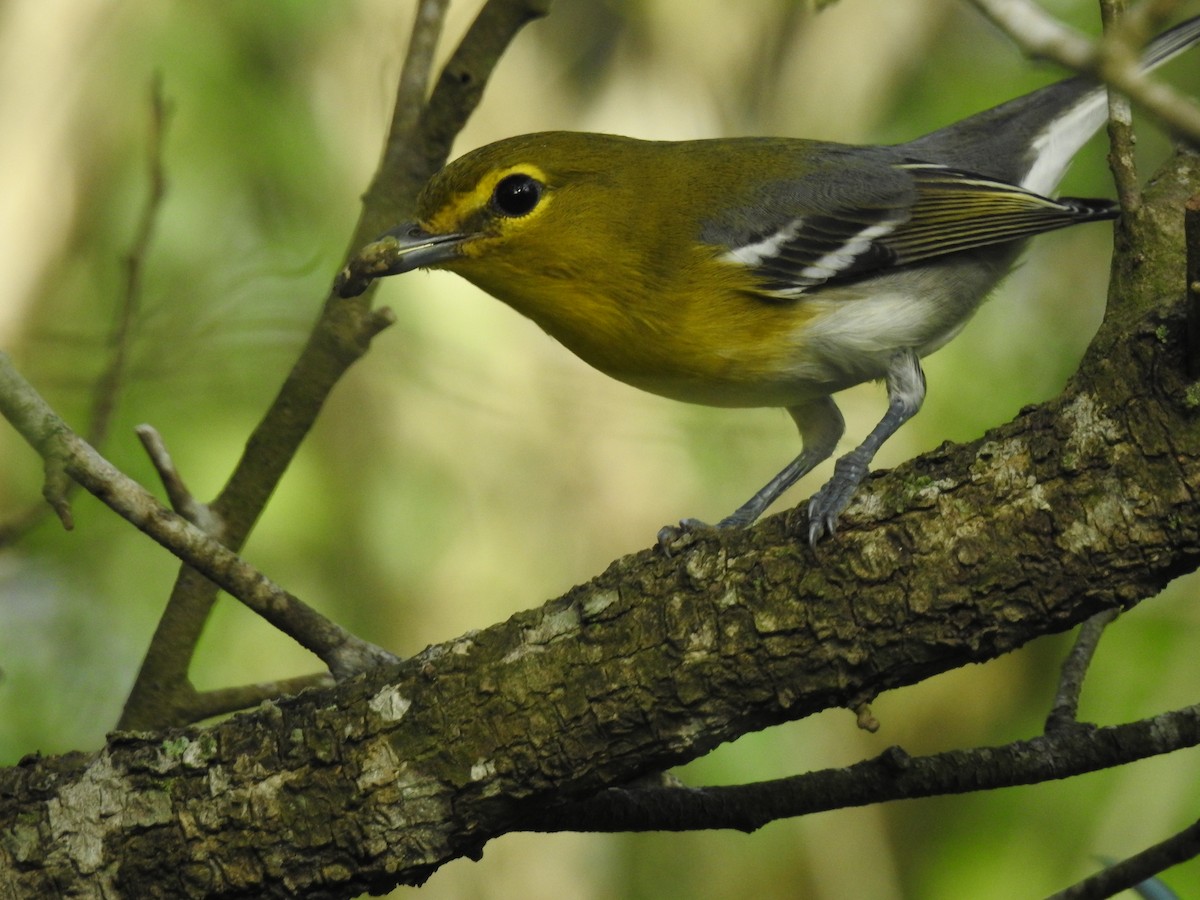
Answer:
(469, 467)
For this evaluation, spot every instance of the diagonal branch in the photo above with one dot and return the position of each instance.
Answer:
(1133, 871)
(1065, 708)
(1121, 138)
(893, 775)
(111, 382)
(72, 455)
(417, 145)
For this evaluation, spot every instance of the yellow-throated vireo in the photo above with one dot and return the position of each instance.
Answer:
(760, 271)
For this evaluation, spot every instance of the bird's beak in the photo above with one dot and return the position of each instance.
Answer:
(415, 248)
(402, 249)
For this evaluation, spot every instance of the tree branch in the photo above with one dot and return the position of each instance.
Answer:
(112, 379)
(1074, 669)
(893, 775)
(1121, 139)
(960, 556)
(68, 452)
(1080, 505)
(181, 498)
(417, 145)
(1133, 871)
(410, 157)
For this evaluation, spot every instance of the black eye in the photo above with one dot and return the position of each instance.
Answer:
(517, 195)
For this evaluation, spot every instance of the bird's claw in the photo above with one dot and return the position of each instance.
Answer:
(831, 500)
(824, 509)
(672, 538)
(822, 522)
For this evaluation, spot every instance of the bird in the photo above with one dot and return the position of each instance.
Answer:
(760, 271)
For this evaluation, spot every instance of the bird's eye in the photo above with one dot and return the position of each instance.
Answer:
(517, 195)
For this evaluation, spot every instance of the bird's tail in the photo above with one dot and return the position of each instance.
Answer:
(1046, 127)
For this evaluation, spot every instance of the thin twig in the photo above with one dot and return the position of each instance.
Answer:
(1064, 711)
(340, 336)
(1138, 868)
(207, 704)
(182, 499)
(410, 159)
(1121, 159)
(413, 88)
(893, 775)
(344, 653)
(1038, 33)
(111, 382)
(183, 703)
(112, 379)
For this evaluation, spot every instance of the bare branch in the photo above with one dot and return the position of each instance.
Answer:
(417, 144)
(1121, 159)
(650, 664)
(893, 775)
(181, 498)
(414, 76)
(1038, 33)
(410, 158)
(206, 704)
(1133, 871)
(1074, 669)
(111, 381)
(53, 439)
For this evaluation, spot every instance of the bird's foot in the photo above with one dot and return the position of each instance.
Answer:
(831, 500)
(672, 538)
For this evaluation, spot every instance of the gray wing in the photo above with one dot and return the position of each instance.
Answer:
(821, 230)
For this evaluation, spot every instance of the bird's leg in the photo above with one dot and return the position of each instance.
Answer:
(906, 392)
(821, 426)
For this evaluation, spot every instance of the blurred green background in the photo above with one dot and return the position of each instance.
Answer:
(468, 466)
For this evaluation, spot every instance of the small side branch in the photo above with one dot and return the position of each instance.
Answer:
(1121, 159)
(418, 142)
(206, 704)
(111, 382)
(1133, 871)
(893, 775)
(1064, 712)
(182, 500)
(344, 653)
(413, 88)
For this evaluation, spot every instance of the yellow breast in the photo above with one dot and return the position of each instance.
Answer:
(701, 336)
